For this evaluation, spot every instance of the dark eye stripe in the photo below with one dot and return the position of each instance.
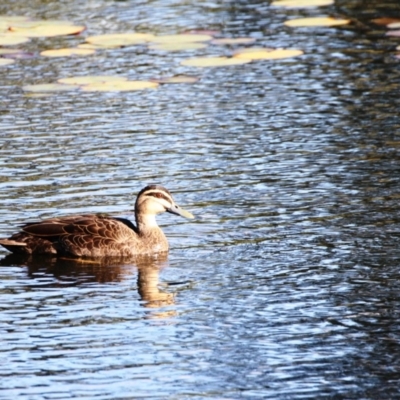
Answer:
(159, 196)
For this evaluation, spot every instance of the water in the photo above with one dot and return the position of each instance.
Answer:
(287, 283)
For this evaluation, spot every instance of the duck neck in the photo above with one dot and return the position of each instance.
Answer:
(146, 223)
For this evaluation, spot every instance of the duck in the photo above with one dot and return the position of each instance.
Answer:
(99, 235)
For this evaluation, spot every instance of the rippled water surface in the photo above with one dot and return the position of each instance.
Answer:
(285, 286)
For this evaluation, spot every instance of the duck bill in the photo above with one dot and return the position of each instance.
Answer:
(175, 209)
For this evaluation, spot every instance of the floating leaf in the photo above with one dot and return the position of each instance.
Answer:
(316, 21)
(29, 24)
(177, 79)
(5, 61)
(213, 61)
(8, 39)
(119, 39)
(16, 54)
(87, 80)
(120, 86)
(393, 33)
(385, 20)
(181, 38)
(394, 25)
(5, 52)
(69, 52)
(233, 41)
(49, 87)
(301, 3)
(267, 54)
(177, 46)
(46, 30)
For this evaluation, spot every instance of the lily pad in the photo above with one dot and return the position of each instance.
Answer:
(177, 79)
(119, 39)
(385, 20)
(8, 39)
(46, 30)
(269, 54)
(233, 41)
(5, 61)
(393, 33)
(29, 24)
(49, 87)
(213, 61)
(316, 21)
(69, 52)
(177, 46)
(90, 79)
(16, 54)
(119, 86)
(181, 38)
(301, 3)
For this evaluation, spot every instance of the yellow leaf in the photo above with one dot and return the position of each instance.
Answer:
(49, 87)
(10, 51)
(301, 3)
(87, 80)
(316, 21)
(67, 52)
(233, 41)
(213, 61)
(47, 30)
(269, 54)
(177, 46)
(8, 39)
(119, 86)
(181, 38)
(29, 24)
(5, 61)
(119, 39)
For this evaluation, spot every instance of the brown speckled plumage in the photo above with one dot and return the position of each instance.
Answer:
(99, 236)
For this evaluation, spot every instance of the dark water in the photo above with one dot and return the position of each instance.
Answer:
(286, 286)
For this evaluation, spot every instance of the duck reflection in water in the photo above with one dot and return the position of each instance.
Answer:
(73, 272)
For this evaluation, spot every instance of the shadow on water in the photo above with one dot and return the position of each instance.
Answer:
(71, 272)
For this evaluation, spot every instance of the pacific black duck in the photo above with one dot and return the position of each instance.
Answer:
(100, 236)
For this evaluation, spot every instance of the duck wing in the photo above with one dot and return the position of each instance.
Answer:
(82, 235)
